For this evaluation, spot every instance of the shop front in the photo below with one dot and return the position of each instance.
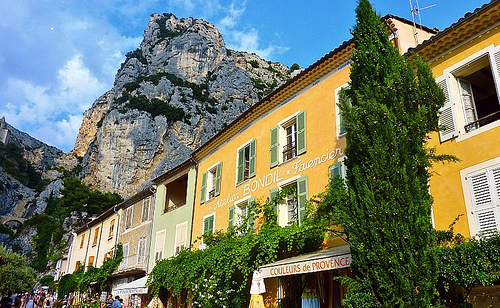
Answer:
(135, 292)
(307, 281)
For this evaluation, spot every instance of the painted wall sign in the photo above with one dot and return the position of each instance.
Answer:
(309, 266)
(301, 164)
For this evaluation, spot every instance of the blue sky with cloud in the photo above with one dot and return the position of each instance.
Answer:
(58, 56)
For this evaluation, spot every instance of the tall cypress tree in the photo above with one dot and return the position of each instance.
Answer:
(391, 111)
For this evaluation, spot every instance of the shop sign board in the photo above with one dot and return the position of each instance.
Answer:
(307, 266)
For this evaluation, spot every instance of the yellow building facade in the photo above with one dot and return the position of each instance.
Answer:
(465, 59)
(294, 138)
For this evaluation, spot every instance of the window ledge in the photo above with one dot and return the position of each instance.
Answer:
(245, 181)
(478, 131)
(109, 238)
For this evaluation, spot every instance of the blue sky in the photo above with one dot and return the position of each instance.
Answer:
(58, 56)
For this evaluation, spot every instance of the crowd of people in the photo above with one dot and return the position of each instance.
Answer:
(39, 299)
(42, 299)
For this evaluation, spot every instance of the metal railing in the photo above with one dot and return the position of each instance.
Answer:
(174, 206)
(495, 116)
(289, 151)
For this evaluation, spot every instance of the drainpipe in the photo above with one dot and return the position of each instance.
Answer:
(70, 252)
(117, 228)
(99, 243)
(87, 249)
(153, 189)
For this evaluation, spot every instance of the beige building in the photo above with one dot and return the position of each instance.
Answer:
(95, 241)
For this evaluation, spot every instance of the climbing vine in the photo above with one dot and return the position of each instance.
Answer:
(220, 275)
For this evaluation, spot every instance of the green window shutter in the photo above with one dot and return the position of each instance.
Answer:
(274, 146)
(241, 165)
(208, 225)
(342, 129)
(218, 175)
(251, 215)
(253, 153)
(203, 188)
(342, 98)
(272, 195)
(301, 132)
(335, 170)
(230, 221)
(302, 197)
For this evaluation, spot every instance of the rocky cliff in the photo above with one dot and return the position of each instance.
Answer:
(173, 93)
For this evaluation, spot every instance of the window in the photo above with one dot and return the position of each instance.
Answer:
(160, 240)
(288, 139)
(145, 209)
(241, 213)
(246, 162)
(210, 183)
(340, 126)
(111, 229)
(180, 237)
(96, 236)
(128, 217)
(471, 91)
(77, 266)
(141, 250)
(290, 206)
(91, 261)
(208, 225)
(82, 240)
(484, 190)
(337, 170)
(108, 255)
(176, 194)
(123, 263)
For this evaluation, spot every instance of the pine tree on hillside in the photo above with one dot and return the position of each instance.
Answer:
(390, 111)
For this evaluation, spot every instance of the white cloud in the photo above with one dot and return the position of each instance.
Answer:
(53, 115)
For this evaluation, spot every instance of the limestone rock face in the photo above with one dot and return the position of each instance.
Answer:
(173, 93)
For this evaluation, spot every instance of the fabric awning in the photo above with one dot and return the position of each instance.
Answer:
(137, 286)
(323, 260)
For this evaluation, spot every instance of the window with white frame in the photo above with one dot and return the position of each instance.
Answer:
(125, 250)
(242, 212)
(483, 187)
(288, 139)
(291, 207)
(337, 170)
(472, 89)
(340, 123)
(180, 237)
(146, 209)
(159, 244)
(128, 217)
(141, 250)
(210, 183)
(246, 162)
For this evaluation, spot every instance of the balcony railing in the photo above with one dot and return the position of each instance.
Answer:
(483, 121)
(289, 151)
(174, 206)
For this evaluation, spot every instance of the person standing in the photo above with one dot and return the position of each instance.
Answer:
(109, 301)
(117, 303)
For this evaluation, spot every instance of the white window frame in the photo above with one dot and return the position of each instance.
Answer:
(162, 250)
(184, 245)
(455, 96)
(129, 216)
(283, 125)
(246, 144)
(146, 201)
(123, 263)
(464, 173)
(337, 111)
(211, 178)
(141, 257)
(283, 207)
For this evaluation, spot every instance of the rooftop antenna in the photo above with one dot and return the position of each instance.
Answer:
(415, 11)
